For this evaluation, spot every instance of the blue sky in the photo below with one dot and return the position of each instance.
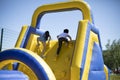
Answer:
(16, 13)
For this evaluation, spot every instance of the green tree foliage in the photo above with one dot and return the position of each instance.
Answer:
(112, 55)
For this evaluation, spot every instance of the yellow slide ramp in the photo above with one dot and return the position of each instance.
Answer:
(59, 65)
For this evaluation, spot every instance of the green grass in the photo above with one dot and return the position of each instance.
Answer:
(115, 77)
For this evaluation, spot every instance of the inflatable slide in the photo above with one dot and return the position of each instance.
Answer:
(80, 60)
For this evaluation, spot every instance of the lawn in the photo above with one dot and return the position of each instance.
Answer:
(114, 77)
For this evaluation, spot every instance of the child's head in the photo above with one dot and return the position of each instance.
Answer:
(47, 32)
(66, 31)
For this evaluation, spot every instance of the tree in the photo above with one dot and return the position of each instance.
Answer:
(112, 55)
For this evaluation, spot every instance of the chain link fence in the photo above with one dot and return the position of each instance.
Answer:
(8, 38)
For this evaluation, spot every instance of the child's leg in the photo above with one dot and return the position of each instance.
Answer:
(59, 46)
(38, 41)
(44, 48)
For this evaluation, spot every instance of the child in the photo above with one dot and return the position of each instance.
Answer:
(63, 37)
(43, 37)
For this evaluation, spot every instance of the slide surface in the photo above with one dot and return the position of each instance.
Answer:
(60, 64)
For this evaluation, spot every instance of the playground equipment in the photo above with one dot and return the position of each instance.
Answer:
(81, 61)
(12, 75)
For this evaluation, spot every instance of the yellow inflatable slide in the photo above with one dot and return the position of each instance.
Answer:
(80, 60)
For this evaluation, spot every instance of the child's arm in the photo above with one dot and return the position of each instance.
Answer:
(70, 37)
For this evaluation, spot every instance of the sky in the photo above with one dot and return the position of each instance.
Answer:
(16, 13)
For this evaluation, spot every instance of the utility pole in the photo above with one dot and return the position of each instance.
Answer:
(1, 39)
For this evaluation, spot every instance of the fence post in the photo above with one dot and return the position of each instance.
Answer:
(1, 39)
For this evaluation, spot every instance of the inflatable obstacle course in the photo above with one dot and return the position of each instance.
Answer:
(82, 60)
(12, 75)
